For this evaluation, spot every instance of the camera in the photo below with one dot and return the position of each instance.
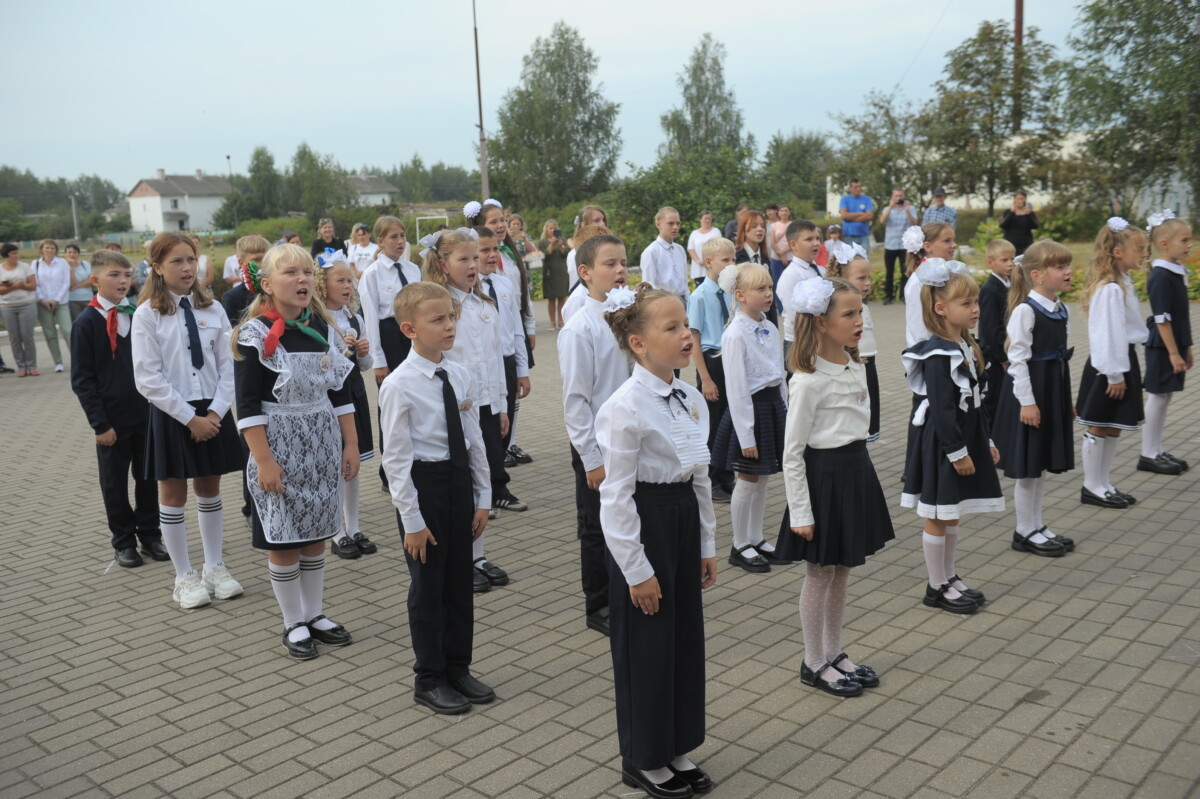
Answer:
(557, 233)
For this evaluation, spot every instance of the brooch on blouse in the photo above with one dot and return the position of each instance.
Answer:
(388, 286)
(202, 322)
(325, 363)
(862, 397)
(695, 413)
(464, 406)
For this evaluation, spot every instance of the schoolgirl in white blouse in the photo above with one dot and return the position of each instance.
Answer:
(653, 434)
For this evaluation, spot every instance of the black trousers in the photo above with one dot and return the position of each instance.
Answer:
(716, 411)
(890, 259)
(592, 567)
(396, 347)
(510, 382)
(873, 395)
(127, 524)
(493, 445)
(441, 611)
(991, 394)
(658, 661)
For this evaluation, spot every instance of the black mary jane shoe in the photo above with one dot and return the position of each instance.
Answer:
(129, 558)
(442, 699)
(599, 621)
(364, 544)
(474, 691)
(1129, 498)
(494, 574)
(1160, 465)
(969, 593)
(863, 675)
(696, 778)
(345, 548)
(155, 551)
(770, 557)
(1068, 544)
(304, 649)
(479, 582)
(1106, 500)
(674, 788)
(756, 564)
(338, 636)
(936, 598)
(846, 686)
(1050, 549)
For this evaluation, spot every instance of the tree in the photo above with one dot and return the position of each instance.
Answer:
(972, 121)
(1133, 88)
(412, 180)
(796, 166)
(557, 139)
(317, 184)
(710, 117)
(264, 199)
(450, 182)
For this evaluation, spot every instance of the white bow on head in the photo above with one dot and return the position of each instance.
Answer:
(812, 296)
(490, 201)
(330, 257)
(842, 252)
(471, 210)
(727, 280)
(618, 298)
(913, 239)
(1157, 219)
(933, 272)
(1116, 224)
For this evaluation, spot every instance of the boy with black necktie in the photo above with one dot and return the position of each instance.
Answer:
(102, 379)
(441, 487)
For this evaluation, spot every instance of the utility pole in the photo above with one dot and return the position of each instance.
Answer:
(483, 158)
(229, 161)
(1018, 44)
(75, 215)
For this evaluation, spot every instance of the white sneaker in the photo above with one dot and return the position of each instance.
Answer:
(58, 367)
(220, 583)
(190, 592)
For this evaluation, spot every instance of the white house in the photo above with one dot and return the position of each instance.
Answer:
(176, 202)
(371, 189)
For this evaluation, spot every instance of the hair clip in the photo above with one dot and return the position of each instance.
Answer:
(1116, 224)
(1157, 219)
(812, 296)
(933, 272)
(727, 279)
(618, 298)
(913, 239)
(471, 210)
(330, 258)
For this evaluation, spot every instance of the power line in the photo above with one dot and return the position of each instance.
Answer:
(921, 49)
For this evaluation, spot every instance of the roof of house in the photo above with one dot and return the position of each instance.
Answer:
(186, 185)
(371, 184)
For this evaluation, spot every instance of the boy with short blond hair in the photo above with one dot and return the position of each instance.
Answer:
(993, 304)
(709, 311)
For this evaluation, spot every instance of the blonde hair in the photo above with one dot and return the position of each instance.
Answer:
(752, 276)
(802, 357)
(997, 247)
(1102, 267)
(322, 281)
(407, 303)
(931, 230)
(1169, 228)
(155, 291)
(957, 285)
(716, 247)
(1040, 255)
(102, 259)
(276, 258)
(662, 212)
(434, 271)
(253, 244)
(631, 320)
(549, 225)
(385, 223)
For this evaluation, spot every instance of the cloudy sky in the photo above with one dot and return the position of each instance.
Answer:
(121, 88)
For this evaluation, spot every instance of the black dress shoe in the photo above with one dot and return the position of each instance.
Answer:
(364, 544)
(936, 598)
(155, 550)
(1050, 549)
(338, 636)
(755, 564)
(129, 558)
(494, 574)
(509, 461)
(770, 557)
(442, 699)
(1182, 463)
(863, 675)
(472, 689)
(720, 496)
(700, 782)
(480, 584)
(1067, 543)
(970, 593)
(1108, 500)
(845, 686)
(345, 549)
(521, 455)
(304, 649)
(598, 621)
(674, 788)
(1160, 465)
(1129, 498)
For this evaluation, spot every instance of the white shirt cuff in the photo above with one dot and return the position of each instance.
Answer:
(342, 410)
(251, 421)
(957, 455)
(413, 522)
(643, 571)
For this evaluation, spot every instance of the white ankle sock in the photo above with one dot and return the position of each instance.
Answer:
(741, 510)
(1156, 420)
(350, 508)
(658, 775)
(682, 763)
(1094, 478)
(211, 520)
(1110, 454)
(477, 548)
(174, 536)
(285, 582)
(312, 590)
(934, 548)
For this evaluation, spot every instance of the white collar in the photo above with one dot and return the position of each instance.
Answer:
(800, 262)
(423, 364)
(749, 322)
(107, 306)
(652, 382)
(1007, 283)
(670, 245)
(177, 297)
(1049, 305)
(461, 295)
(829, 367)
(1170, 266)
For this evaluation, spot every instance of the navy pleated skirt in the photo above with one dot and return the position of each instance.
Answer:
(172, 454)
(770, 418)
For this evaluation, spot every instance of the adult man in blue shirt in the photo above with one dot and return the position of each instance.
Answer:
(857, 210)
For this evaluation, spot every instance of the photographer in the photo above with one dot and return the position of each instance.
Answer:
(554, 271)
(896, 218)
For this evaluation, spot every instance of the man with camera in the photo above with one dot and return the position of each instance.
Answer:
(897, 217)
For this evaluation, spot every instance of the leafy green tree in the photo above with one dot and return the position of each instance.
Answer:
(95, 193)
(265, 196)
(412, 179)
(710, 117)
(13, 224)
(796, 165)
(557, 139)
(450, 182)
(317, 184)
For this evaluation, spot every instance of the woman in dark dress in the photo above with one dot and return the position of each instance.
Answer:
(1019, 222)
(325, 239)
(555, 280)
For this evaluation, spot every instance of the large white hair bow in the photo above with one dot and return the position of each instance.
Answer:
(913, 239)
(841, 252)
(1157, 219)
(330, 257)
(812, 296)
(471, 210)
(1116, 224)
(618, 298)
(933, 272)
(727, 280)
(490, 201)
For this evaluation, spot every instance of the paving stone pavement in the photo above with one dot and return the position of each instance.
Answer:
(1077, 679)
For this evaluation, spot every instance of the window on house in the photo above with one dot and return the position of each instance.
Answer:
(174, 205)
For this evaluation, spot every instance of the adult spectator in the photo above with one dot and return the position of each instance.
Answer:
(204, 275)
(1019, 222)
(18, 307)
(517, 232)
(731, 227)
(555, 281)
(325, 238)
(896, 218)
(363, 251)
(695, 245)
(81, 281)
(141, 272)
(53, 284)
(771, 212)
(781, 253)
(939, 211)
(857, 210)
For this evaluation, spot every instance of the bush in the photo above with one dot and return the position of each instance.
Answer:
(1071, 223)
(987, 232)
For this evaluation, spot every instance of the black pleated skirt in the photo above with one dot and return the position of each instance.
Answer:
(1160, 375)
(770, 418)
(658, 661)
(362, 423)
(1095, 408)
(1030, 451)
(850, 513)
(172, 454)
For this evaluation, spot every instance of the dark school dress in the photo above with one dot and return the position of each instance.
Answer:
(1096, 409)
(1027, 451)
(358, 395)
(993, 305)
(294, 393)
(1167, 291)
(554, 271)
(949, 422)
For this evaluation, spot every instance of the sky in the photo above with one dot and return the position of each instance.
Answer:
(122, 88)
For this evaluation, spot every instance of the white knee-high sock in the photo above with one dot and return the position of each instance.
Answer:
(1039, 505)
(477, 548)
(350, 507)
(934, 549)
(211, 521)
(812, 612)
(951, 539)
(1094, 478)
(174, 535)
(1025, 498)
(741, 510)
(285, 582)
(758, 510)
(1156, 420)
(312, 589)
(1110, 454)
(835, 612)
